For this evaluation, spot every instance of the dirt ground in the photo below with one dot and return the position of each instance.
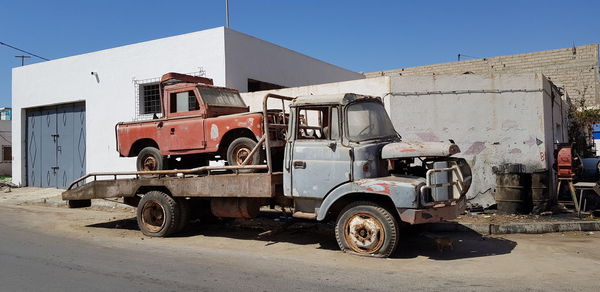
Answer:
(554, 261)
(491, 217)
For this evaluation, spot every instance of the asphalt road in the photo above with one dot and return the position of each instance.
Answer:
(47, 249)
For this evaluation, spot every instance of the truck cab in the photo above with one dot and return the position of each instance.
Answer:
(344, 159)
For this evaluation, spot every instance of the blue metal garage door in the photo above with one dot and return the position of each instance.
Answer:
(55, 145)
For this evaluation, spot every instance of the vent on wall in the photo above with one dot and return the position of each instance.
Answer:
(257, 85)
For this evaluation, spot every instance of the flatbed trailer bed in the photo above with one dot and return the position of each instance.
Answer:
(200, 182)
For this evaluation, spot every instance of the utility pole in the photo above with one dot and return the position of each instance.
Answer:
(227, 13)
(22, 59)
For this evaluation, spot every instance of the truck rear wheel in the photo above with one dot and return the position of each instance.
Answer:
(158, 214)
(240, 149)
(150, 159)
(367, 229)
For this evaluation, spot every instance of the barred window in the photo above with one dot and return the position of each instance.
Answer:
(150, 98)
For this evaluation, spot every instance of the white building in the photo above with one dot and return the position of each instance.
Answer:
(65, 110)
(494, 119)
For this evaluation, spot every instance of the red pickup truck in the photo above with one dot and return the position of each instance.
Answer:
(199, 122)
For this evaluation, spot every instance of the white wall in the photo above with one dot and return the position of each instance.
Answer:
(250, 57)
(112, 98)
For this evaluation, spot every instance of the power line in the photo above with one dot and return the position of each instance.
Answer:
(26, 52)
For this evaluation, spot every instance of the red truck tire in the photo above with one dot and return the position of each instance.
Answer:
(239, 150)
(150, 159)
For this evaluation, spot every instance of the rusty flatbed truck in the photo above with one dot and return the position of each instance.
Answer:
(343, 161)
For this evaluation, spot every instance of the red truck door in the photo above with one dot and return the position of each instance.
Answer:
(183, 131)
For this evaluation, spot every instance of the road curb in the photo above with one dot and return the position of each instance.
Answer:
(526, 228)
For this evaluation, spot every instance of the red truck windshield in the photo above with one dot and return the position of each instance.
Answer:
(219, 96)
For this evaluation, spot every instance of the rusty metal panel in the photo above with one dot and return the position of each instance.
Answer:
(444, 211)
(403, 191)
(418, 149)
(251, 185)
(225, 185)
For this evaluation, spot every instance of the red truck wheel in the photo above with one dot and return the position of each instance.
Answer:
(240, 149)
(150, 159)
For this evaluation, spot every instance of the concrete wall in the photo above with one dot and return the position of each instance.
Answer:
(250, 57)
(5, 141)
(507, 119)
(575, 68)
(111, 97)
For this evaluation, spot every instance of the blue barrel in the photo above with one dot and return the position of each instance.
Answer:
(591, 170)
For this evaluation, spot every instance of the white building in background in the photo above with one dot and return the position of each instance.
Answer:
(5, 142)
(65, 110)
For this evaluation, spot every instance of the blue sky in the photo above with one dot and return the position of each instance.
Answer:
(362, 36)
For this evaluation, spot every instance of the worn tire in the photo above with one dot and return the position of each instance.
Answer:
(239, 149)
(150, 159)
(184, 214)
(367, 229)
(158, 214)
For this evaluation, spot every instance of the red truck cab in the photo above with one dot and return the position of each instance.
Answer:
(199, 122)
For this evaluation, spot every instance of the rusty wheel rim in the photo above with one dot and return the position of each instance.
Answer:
(241, 153)
(364, 233)
(149, 163)
(153, 216)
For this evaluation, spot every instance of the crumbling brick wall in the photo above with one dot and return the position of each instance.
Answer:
(576, 68)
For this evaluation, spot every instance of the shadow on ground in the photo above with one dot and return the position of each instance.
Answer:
(469, 244)
(414, 241)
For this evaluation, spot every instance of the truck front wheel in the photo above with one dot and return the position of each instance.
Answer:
(158, 214)
(150, 159)
(240, 149)
(367, 229)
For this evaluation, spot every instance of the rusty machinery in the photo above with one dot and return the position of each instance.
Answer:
(568, 166)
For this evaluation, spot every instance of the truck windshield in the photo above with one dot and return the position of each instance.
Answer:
(367, 121)
(220, 96)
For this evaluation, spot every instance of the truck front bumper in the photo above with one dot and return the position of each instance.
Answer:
(439, 212)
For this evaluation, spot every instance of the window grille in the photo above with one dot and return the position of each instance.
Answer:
(147, 96)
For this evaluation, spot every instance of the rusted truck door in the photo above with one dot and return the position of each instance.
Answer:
(185, 125)
(319, 161)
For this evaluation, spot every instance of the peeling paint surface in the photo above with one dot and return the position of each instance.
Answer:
(475, 148)
(214, 132)
(418, 149)
(490, 128)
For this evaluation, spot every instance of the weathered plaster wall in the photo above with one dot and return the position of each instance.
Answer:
(505, 119)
